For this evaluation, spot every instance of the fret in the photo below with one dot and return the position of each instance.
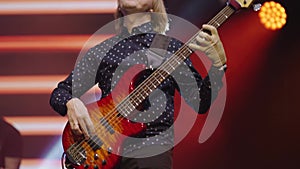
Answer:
(225, 16)
(168, 72)
(134, 103)
(171, 66)
(217, 24)
(157, 72)
(189, 51)
(148, 87)
(222, 16)
(140, 101)
(127, 109)
(155, 85)
(183, 56)
(131, 106)
(157, 80)
(180, 56)
(139, 94)
(176, 59)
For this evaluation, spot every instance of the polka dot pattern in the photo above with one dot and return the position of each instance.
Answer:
(105, 64)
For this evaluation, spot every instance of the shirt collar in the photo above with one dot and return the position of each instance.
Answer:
(144, 28)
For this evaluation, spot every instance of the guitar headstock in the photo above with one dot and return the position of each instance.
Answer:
(244, 3)
(240, 3)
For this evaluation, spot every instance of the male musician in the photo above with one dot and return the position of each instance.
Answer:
(10, 146)
(136, 34)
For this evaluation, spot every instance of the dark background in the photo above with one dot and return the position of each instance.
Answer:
(260, 124)
(259, 127)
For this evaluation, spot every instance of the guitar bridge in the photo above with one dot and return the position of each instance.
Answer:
(76, 156)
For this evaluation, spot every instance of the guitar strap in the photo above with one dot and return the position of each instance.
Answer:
(157, 51)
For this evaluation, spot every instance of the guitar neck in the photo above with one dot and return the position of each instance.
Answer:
(222, 16)
(163, 71)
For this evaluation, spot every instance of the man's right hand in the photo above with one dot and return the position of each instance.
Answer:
(79, 118)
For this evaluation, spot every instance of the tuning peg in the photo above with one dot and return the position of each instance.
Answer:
(256, 7)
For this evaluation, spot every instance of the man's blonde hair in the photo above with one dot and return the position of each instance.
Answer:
(159, 18)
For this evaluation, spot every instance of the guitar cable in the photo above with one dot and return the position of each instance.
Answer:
(62, 160)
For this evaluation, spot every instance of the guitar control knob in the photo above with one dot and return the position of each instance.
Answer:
(70, 167)
(109, 150)
(86, 166)
(96, 167)
(103, 162)
(96, 156)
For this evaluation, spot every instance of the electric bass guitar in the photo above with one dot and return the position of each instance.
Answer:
(98, 152)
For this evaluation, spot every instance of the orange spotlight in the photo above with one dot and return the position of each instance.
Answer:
(272, 15)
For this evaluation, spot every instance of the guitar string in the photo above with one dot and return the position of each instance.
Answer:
(167, 70)
(143, 86)
(179, 51)
(186, 50)
(113, 113)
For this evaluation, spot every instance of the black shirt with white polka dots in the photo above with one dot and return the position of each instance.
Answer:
(105, 64)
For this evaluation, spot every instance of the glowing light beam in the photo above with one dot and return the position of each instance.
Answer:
(38, 125)
(57, 7)
(28, 163)
(29, 84)
(49, 42)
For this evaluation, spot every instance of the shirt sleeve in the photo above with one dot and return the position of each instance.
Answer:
(199, 93)
(61, 95)
(81, 79)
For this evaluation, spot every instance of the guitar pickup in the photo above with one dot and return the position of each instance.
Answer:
(95, 143)
(108, 127)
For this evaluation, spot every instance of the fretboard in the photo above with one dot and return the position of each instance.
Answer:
(163, 71)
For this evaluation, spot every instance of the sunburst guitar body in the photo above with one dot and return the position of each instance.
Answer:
(102, 149)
